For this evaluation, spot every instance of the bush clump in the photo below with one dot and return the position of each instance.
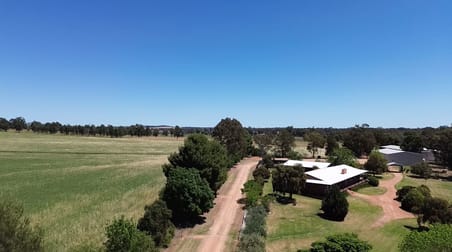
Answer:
(335, 205)
(255, 231)
(16, 233)
(122, 235)
(341, 242)
(373, 181)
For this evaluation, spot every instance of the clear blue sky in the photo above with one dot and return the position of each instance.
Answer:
(191, 63)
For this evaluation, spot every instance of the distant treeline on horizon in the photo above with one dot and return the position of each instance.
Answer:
(382, 135)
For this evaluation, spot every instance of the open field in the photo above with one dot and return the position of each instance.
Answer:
(439, 188)
(301, 146)
(294, 227)
(73, 186)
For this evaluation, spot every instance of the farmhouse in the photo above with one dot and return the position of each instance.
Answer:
(318, 181)
(307, 165)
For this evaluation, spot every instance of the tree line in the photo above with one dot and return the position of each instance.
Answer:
(139, 130)
(360, 139)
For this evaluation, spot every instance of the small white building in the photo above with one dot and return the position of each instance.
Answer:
(308, 165)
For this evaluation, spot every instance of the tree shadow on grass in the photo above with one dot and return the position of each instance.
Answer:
(325, 217)
(189, 222)
(419, 229)
(285, 200)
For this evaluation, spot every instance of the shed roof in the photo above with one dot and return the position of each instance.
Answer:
(307, 164)
(389, 151)
(333, 175)
(392, 147)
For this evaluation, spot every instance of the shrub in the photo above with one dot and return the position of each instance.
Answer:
(376, 163)
(255, 221)
(253, 191)
(261, 172)
(437, 210)
(436, 239)
(294, 155)
(373, 181)
(341, 242)
(335, 204)
(423, 170)
(16, 234)
(122, 235)
(157, 223)
(413, 201)
(252, 243)
(402, 192)
(254, 233)
(187, 194)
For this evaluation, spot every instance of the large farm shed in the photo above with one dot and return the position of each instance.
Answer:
(395, 156)
(318, 181)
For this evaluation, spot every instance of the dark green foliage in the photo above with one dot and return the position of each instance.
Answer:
(376, 163)
(267, 161)
(316, 141)
(187, 194)
(294, 155)
(412, 142)
(16, 233)
(360, 140)
(342, 156)
(414, 200)
(402, 192)
(122, 235)
(261, 172)
(207, 156)
(157, 223)
(331, 144)
(253, 191)
(444, 145)
(438, 238)
(230, 133)
(284, 143)
(373, 181)
(4, 124)
(18, 123)
(286, 179)
(178, 132)
(346, 242)
(436, 210)
(423, 170)
(252, 243)
(335, 204)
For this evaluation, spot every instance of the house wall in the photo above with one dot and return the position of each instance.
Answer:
(317, 190)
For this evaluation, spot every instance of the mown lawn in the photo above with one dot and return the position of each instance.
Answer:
(73, 186)
(296, 227)
(438, 188)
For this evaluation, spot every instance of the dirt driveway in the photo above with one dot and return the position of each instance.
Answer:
(215, 233)
(391, 208)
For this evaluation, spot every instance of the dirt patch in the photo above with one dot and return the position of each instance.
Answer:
(391, 207)
(223, 219)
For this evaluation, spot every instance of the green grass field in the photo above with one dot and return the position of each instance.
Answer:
(439, 188)
(73, 186)
(296, 227)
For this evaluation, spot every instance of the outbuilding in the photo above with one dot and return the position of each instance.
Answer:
(307, 165)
